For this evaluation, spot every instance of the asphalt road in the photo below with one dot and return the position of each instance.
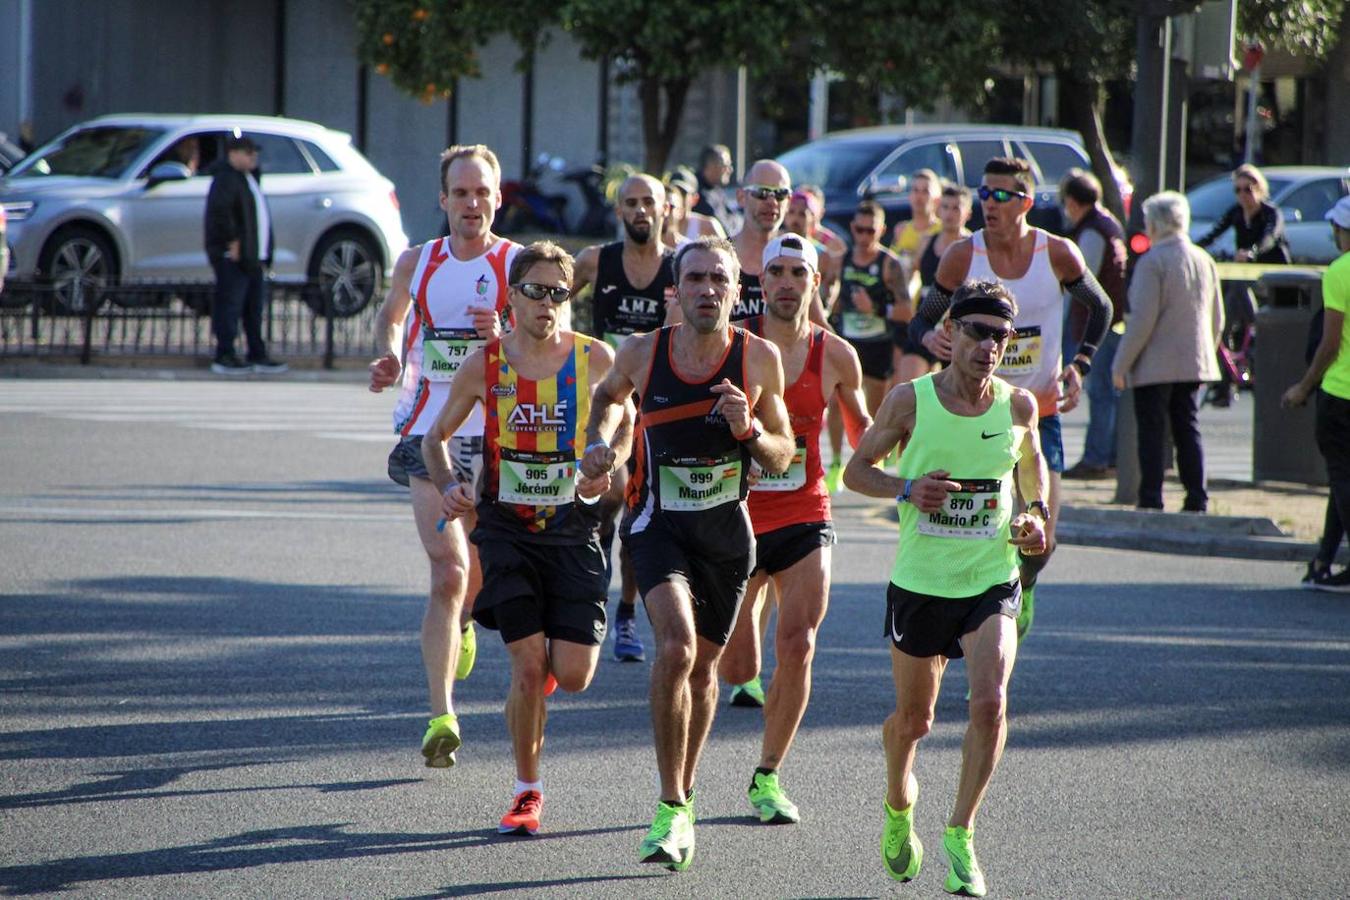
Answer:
(210, 686)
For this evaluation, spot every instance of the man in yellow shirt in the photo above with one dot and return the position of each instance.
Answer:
(1329, 375)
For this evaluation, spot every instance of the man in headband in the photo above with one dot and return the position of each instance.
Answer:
(964, 435)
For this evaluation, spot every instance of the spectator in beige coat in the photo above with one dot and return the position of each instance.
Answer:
(1169, 348)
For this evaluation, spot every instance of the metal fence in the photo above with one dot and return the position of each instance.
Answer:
(161, 320)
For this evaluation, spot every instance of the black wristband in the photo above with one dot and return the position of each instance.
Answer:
(1083, 365)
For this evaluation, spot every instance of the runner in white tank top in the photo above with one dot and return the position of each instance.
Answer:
(1033, 359)
(439, 332)
(445, 299)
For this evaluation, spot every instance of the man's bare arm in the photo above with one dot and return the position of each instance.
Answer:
(893, 426)
(386, 368)
(843, 361)
(1030, 532)
(774, 448)
(465, 391)
(611, 404)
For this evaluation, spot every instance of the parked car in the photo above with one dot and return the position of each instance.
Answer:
(1303, 194)
(877, 163)
(121, 200)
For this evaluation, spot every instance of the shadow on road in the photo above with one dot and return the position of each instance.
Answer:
(251, 849)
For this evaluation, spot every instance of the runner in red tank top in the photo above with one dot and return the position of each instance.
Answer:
(790, 513)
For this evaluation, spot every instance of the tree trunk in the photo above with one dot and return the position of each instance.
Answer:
(659, 131)
(1082, 103)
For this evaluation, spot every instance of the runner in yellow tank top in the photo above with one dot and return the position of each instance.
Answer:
(964, 435)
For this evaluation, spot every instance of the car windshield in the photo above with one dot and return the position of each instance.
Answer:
(834, 166)
(103, 151)
(1215, 197)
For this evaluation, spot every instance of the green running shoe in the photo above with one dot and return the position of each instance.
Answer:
(1027, 613)
(901, 849)
(671, 839)
(964, 876)
(834, 477)
(468, 652)
(768, 799)
(750, 694)
(441, 741)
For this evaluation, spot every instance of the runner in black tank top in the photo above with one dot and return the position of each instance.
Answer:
(928, 262)
(618, 308)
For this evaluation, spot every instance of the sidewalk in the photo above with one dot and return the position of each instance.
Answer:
(1270, 520)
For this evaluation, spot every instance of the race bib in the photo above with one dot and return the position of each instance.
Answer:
(698, 487)
(971, 513)
(861, 326)
(445, 349)
(536, 479)
(792, 479)
(1023, 356)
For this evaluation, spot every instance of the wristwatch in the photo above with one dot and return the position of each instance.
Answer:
(1039, 508)
(1082, 364)
(752, 434)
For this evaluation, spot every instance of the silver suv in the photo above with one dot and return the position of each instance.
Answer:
(121, 200)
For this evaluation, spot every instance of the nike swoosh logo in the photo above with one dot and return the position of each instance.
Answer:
(899, 636)
(609, 288)
(994, 435)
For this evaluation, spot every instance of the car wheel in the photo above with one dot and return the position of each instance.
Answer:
(345, 270)
(79, 265)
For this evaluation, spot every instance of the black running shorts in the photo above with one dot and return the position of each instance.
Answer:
(529, 587)
(876, 358)
(710, 554)
(924, 625)
(783, 548)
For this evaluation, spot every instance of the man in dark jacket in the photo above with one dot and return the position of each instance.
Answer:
(239, 245)
(714, 174)
(1102, 242)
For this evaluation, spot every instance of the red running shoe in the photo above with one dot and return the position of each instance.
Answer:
(523, 816)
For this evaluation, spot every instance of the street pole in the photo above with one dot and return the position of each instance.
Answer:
(1253, 132)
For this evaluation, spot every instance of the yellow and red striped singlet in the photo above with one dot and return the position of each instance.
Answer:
(533, 438)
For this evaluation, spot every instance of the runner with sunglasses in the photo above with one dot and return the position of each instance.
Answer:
(620, 308)
(1037, 267)
(538, 520)
(711, 400)
(445, 301)
(965, 437)
(764, 198)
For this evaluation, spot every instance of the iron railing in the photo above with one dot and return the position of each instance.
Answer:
(171, 320)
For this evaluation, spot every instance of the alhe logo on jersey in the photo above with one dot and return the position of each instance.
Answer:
(538, 417)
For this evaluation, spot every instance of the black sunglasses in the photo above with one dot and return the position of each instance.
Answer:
(999, 194)
(980, 332)
(540, 291)
(763, 192)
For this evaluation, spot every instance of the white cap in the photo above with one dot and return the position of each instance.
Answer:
(1340, 213)
(793, 246)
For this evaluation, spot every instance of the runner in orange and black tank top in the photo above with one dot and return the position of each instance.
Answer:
(532, 443)
(799, 495)
(689, 465)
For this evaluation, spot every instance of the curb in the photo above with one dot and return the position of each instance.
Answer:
(1187, 543)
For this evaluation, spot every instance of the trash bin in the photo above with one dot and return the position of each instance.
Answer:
(1284, 445)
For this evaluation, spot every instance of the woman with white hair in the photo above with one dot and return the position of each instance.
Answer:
(1171, 335)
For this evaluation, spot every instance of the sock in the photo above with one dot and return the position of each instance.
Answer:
(625, 611)
(522, 786)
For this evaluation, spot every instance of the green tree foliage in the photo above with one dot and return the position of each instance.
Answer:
(1301, 27)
